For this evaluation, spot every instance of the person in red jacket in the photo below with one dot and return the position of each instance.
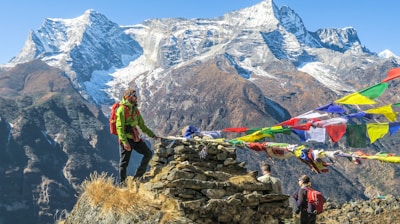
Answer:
(129, 136)
(302, 203)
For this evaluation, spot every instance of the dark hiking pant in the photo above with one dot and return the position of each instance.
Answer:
(125, 157)
(307, 218)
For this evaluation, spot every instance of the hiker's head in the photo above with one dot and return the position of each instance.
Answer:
(130, 95)
(265, 168)
(304, 180)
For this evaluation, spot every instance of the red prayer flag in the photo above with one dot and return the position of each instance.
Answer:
(235, 129)
(392, 74)
(304, 127)
(336, 131)
(256, 146)
(292, 121)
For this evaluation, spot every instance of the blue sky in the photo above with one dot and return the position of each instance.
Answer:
(376, 22)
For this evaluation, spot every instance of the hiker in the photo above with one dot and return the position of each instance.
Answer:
(129, 136)
(301, 201)
(267, 178)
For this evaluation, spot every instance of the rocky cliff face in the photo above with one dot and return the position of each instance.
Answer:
(51, 139)
(204, 182)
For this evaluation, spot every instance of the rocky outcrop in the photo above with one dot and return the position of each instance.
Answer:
(383, 209)
(204, 183)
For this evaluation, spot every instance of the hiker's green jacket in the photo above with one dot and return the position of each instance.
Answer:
(125, 126)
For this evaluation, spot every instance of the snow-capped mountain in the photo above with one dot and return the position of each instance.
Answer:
(99, 56)
(80, 46)
(390, 55)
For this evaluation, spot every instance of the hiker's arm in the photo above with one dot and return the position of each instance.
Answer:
(144, 128)
(301, 197)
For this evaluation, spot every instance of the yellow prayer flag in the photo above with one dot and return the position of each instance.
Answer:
(255, 136)
(365, 96)
(356, 99)
(386, 110)
(297, 152)
(377, 130)
(387, 159)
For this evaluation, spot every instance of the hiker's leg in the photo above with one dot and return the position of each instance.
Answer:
(142, 148)
(303, 217)
(312, 219)
(123, 162)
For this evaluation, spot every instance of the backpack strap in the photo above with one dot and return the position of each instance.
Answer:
(126, 110)
(306, 193)
(136, 113)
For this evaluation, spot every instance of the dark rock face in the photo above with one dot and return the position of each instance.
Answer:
(51, 139)
(209, 95)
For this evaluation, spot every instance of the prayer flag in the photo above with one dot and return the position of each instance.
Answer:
(356, 135)
(394, 127)
(240, 129)
(336, 132)
(365, 96)
(392, 74)
(376, 131)
(331, 108)
(386, 110)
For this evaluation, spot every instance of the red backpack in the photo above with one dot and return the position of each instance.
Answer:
(315, 201)
(113, 117)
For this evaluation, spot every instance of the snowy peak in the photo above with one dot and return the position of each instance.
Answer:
(67, 36)
(387, 54)
(294, 25)
(80, 46)
(259, 15)
(340, 39)
(291, 21)
(55, 36)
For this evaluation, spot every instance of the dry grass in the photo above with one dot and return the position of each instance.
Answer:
(132, 199)
(102, 192)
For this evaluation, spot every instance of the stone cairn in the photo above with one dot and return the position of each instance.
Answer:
(211, 186)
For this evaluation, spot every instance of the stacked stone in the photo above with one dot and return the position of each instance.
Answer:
(362, 211)
(211, 186)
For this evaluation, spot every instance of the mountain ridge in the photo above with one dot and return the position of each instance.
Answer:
(258, 16)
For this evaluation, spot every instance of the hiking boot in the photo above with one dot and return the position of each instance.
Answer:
(123, 184)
